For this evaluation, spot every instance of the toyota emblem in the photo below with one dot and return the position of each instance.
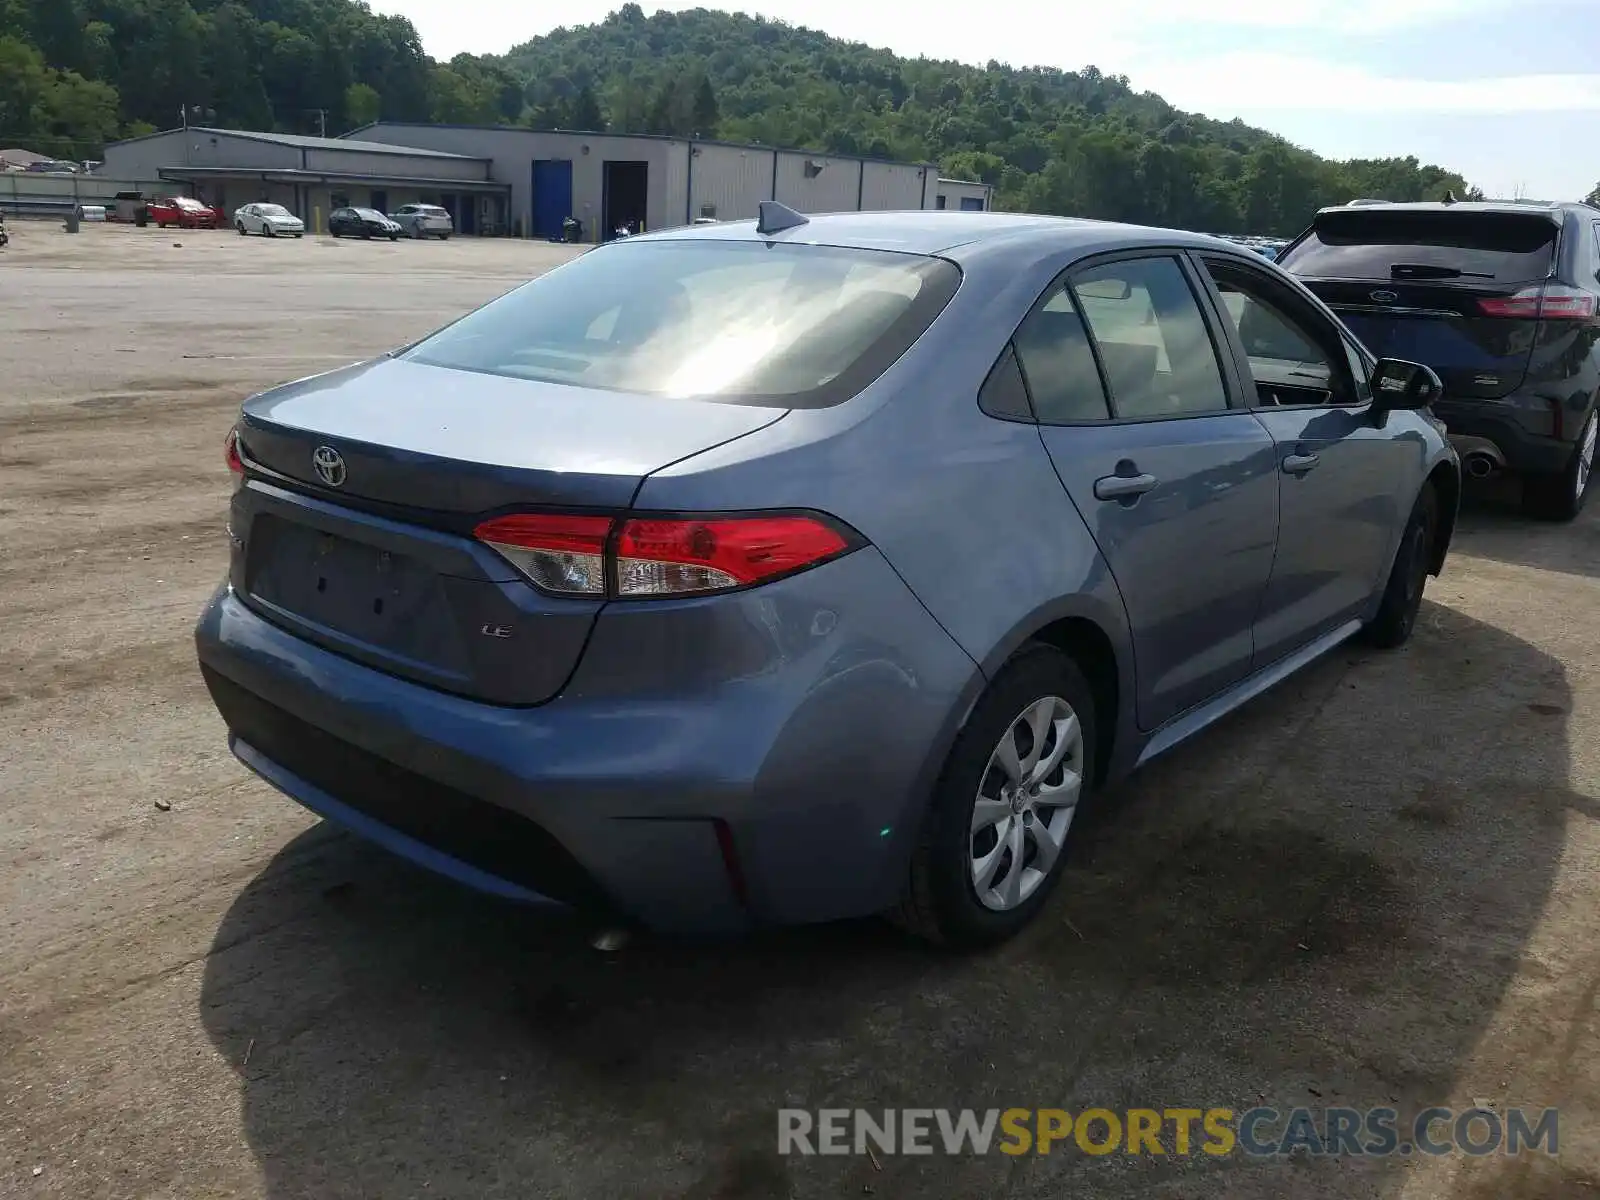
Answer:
(1382, 296)
(329, 465)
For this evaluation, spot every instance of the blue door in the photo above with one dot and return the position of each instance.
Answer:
(1345, 482)
(1178, 486)
(552, 195)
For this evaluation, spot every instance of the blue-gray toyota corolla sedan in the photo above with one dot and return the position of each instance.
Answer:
(789, 570)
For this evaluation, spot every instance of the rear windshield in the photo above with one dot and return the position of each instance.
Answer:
(429, 211)
(1370, 243)
(734, 322)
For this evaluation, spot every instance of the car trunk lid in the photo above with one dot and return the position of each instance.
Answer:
(354, 528)
(1457, 290)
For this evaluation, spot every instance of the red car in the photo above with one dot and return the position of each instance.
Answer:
(183, 211)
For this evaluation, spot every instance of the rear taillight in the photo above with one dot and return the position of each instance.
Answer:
(672, 557)
(558, 553)
(660, 556)
(230, 450)
(1551, 302)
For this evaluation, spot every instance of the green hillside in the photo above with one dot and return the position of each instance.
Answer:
(75, 74)
(1077, 142)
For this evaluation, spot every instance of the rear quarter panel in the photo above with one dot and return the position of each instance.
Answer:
(965, 507)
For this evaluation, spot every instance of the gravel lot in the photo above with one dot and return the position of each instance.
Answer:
(1377, 886)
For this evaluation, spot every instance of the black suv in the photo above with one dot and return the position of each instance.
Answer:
(1503, 301)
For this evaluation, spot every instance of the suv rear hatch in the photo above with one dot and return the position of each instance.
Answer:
(376, 558)
(1462, 290)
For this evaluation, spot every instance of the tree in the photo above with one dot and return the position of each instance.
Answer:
(362, 104)
(74, 72)
(584, 111)
(704, 108)
(55, 112)
(1594, 196)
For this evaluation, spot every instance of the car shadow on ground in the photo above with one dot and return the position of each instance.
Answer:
(1323, 900)
(1492, 518)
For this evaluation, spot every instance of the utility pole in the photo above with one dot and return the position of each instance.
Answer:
(322, 121)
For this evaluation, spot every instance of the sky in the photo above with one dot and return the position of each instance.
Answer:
(1507, 93)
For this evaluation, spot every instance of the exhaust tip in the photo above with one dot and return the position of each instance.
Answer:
(1480, 466)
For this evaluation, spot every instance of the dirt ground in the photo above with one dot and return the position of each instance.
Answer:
(1378, 886)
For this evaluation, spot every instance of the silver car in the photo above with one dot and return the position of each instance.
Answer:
(423, 220)
(269, 220)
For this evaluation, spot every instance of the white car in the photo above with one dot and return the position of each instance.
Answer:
(424, 220)
(269, 220)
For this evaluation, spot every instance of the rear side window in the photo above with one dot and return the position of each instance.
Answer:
(1004, 394)
(1158, 354)
(1375, 244)
(1053, 347)
(790, 326)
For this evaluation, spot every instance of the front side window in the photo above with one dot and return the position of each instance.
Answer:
(1157, 352)
(1293, 358)
(737, 322)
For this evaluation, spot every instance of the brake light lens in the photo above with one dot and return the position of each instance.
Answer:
(659, 556)
(679, 557)
(558, 553)
(230, 450)
(1551, 302)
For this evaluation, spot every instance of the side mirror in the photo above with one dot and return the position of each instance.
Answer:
(1398, 384)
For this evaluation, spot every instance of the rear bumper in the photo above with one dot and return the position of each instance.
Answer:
(809, 763)
(1496, 423)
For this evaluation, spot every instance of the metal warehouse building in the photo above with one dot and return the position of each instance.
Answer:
(309, 175)
(501, 180)
(605, 180)
(965, 194)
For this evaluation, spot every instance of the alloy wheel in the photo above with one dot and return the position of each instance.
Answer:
(1586, 447)
(1025, 803)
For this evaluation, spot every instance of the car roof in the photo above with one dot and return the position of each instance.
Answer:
(954, 233)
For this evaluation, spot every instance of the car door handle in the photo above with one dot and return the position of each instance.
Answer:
(1299, 464)
(1123, 487)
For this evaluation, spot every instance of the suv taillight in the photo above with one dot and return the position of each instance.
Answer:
(1550, 302)
(230, 451)
(641, 557)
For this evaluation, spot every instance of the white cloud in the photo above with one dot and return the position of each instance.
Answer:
(1256, 83)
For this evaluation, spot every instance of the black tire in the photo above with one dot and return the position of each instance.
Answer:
(239, 225)
(1408, 577)
(366, 235)
(941, 903)
(444, 237)
(1561, 497)
(394, 237)
(268, 231)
